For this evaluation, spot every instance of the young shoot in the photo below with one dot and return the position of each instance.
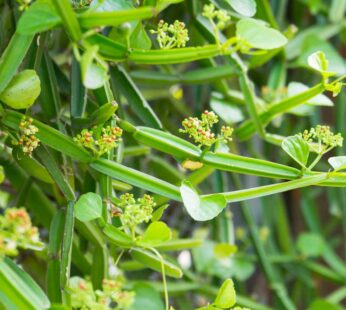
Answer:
(171, 35)
(27, 140)
(321, 140)
(200, 130)
(101, 143)
(16, 231)
(319, 62)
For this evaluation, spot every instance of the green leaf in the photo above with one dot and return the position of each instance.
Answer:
(310, 244)
(338, 162)
(118, 237)
(319, 62)
(224, 250)
(258, 35)
(226, 297)
(20, 288)
(201, 208)
(41, 16)
(158, 213)
(244, 7)
(2, 174)
(12, 57)
(152, 261)
(22, 91)
(146, 297)
(134, 97)
(93, 75)
(139, 38)
(157, 232)
(297, 148)
(88, 207)
(31, 166)
(321, 304)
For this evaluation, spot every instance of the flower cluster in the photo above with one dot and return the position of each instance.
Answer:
(200, 129)
(135, 211)
(28, 141)
(16, 231)
(170, 36)
(23, 4)
(321, 139)
(221, 16)
(84, 297)
(101, 143)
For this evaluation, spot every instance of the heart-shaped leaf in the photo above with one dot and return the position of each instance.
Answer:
(201, 208)
(338, 162)
(257, 34)
(157, 232)
(297, 148)
(226, 296)
(88, 207)
(22, 91)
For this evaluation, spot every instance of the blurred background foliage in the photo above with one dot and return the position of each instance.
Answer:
(295, 240)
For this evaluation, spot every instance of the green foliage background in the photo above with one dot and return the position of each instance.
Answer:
(252, 211)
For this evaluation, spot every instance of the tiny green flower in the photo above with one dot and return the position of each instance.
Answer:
(83, 295)
(321, 139)
(27, 140)
(171, 36)
(200, 129)
(16, 231)
(220, 16)
(135, 211)
(101, 143)
(23, 4)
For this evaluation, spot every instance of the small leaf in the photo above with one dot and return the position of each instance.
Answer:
(93, 75)
(297, 148)
(40, 17)
(88, 207)
(338, 162)
(319, 62)
(158, 213)
(226, 296)
(139, 38)
(201, 208)
(22, 91)
(257, 34)
(224, 250)
(310, 244)
(244, 7)
(157, 232)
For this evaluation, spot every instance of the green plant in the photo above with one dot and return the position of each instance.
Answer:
(98, 102)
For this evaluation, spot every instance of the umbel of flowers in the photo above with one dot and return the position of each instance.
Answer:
(27, 140)
(16, 231)
(200, 130)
